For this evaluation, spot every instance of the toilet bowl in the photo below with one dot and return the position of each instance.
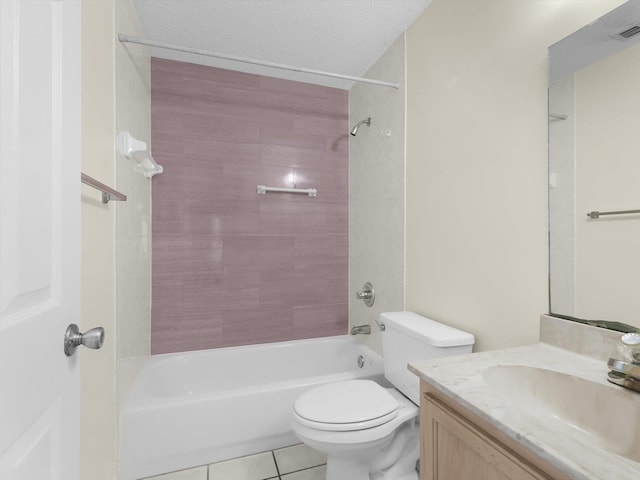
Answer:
(369, 432)
(358, 433)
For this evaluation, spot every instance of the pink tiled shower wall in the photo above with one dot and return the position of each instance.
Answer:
(231, 267)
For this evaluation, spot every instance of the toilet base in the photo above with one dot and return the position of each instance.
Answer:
(396, 461)
(343, 469)
(413, 476)
(382, 476)
(399, 460)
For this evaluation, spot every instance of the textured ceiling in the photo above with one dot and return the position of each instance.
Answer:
(594, 42)
(339, 36)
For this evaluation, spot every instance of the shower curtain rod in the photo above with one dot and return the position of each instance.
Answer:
(152, 43)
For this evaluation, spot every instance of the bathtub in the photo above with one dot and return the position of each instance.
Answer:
(196, 408)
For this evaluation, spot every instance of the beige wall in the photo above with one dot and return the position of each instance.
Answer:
(98, 367)
(376, 193)
(115, 237)
(477, 162)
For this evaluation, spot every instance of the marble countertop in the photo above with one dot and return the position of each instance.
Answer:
(576, 452)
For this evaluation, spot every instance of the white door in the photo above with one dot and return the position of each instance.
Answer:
(39, 237)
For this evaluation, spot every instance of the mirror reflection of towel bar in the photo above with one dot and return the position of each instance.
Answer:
(557, 116)
(618, 212)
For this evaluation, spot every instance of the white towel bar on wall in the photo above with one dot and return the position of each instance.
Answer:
(263, 189)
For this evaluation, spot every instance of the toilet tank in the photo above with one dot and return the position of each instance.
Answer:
(408, 337)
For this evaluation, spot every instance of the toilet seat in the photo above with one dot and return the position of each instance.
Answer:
(407, 412)
(346, 406)
(346, 427)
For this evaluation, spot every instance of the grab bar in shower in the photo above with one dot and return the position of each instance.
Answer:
(108, 193)
(597, 214)
(263, 189)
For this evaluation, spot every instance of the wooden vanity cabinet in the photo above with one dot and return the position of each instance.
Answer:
(459, 445)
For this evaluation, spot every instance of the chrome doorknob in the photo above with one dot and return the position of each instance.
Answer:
(93, 339)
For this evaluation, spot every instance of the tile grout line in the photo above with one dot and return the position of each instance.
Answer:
(279, 475)
(307, 468)
(273, 454)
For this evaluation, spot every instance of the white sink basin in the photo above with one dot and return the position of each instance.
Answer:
(605, 415)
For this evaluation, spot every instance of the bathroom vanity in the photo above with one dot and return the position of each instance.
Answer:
(533, 412)
(458, 445)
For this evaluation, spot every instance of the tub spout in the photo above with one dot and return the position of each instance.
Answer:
(361, 330)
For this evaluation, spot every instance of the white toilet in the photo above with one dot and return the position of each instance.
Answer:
(369, 432)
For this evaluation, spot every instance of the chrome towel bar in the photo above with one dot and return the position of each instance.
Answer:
(557, 116)
(108, 193)
(263, 189)
(597, 214)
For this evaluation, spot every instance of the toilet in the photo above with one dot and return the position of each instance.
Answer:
(367, 431)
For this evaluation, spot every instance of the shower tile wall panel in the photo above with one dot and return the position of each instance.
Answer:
(231, 267)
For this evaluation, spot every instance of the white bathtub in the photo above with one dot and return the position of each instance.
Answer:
(195, 408)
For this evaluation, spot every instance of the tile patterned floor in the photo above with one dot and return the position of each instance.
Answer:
(297, 462)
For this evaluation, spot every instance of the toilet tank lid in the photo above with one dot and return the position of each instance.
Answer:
(429, 331)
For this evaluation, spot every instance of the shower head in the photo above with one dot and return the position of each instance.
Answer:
(367, 122)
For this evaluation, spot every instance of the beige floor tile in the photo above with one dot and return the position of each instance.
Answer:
(315, 473)
(298, 457)
(253, 467)
(199, 473)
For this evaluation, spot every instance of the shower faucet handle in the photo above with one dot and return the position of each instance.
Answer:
(367, 294)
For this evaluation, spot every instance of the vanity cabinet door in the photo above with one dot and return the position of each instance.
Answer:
(455, 449)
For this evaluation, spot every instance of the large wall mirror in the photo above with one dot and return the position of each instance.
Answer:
(594, 171)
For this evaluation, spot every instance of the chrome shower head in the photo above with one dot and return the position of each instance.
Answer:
(367, 122)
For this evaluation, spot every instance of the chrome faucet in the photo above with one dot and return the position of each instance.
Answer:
(361, 330)
(626, 373)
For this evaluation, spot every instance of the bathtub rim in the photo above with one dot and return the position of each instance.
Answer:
(140, 399)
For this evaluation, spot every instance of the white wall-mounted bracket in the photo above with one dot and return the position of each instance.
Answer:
(130, 147)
